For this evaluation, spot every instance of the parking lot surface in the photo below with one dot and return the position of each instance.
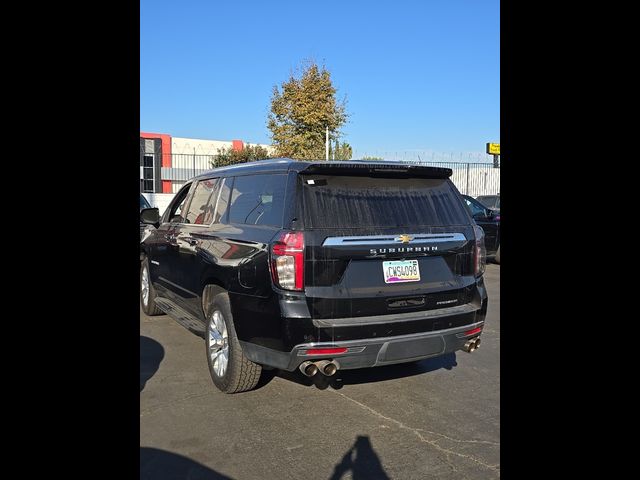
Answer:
(438, 418)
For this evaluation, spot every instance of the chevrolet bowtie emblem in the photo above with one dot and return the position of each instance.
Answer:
(404, 238)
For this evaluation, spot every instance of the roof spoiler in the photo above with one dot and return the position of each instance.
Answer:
(374, 169)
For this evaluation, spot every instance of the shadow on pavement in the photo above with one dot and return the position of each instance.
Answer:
(158, 464)
(361, 460)
(367, 375)
(151, 354)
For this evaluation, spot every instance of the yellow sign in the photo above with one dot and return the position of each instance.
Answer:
(493, 148)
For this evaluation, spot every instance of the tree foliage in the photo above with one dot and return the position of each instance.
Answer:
(228, 156)
(341, 151)
(301, 109)
(372, 158)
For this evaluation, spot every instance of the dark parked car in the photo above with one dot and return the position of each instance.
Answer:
(317, 266)
(489, 220)
(490, 201)
(143, 204)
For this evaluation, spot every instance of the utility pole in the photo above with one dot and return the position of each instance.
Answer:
(326, 144)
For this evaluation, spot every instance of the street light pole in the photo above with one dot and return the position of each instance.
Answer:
(326, 144)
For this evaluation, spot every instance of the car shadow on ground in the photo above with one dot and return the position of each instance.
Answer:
(151, 354)
(156, 464)
(364, 375)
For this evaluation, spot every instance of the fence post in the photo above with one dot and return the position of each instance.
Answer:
(467, 192)
(194, 162)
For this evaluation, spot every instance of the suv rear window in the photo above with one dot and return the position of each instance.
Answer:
(347, 202)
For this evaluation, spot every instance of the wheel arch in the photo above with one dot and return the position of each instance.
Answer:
(211, 287)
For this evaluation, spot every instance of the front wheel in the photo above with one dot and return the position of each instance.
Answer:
(230, 370)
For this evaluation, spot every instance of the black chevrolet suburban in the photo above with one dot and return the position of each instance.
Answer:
(316, 266)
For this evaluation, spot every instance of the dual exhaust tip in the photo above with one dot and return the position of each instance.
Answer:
(326, 367)
(472, 345)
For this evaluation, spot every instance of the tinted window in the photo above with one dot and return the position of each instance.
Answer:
(344, 202)
(201, 207)
(144, 203)
(222, 203)
(489, 201)
(258, 200)
(475, 208)
(177, 205)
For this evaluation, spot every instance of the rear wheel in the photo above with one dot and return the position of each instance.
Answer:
(147, 292)
(230, 370)
(497, 258)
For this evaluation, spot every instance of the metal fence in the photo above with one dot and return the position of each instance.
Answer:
(471, 178)
(168, 172)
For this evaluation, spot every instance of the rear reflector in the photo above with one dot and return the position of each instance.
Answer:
(473, 331)
(325, 351)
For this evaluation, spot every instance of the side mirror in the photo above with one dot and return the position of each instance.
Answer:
(150, 216)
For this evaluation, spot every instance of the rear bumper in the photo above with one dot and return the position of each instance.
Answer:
(370, 352)
(371, 341)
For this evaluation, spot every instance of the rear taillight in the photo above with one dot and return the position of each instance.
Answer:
(287, 261)
(480, 252)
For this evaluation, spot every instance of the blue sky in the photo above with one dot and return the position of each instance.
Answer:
(418, 75)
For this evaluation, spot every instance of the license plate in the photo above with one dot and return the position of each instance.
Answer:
(399, 271)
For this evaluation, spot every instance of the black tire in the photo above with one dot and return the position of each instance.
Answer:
(240, 374)
(497, 257)
(150, 308)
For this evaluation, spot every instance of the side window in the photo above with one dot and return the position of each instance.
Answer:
(177, 206)
(222, 201)
(258, 200)
(201, 206)
(474, 208)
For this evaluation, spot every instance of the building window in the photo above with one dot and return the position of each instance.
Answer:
(147, 173)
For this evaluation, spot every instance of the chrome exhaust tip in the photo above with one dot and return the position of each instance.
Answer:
(477, 343)
(331, 368)
(327, 367)
(469, 346)
(308, 368)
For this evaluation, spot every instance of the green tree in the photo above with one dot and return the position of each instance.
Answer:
(342, 151)
(228, 156)
(372, 158)
(301, 109)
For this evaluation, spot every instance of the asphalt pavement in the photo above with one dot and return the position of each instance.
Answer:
(439, 418)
